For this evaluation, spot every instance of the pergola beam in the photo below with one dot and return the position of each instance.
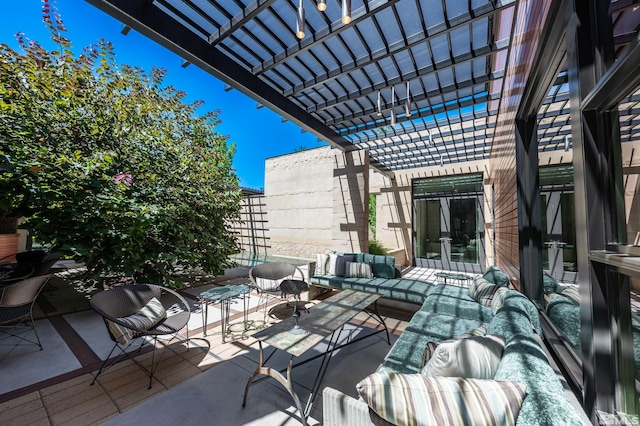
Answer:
(391, 50)
(147, 19)
(238, 21)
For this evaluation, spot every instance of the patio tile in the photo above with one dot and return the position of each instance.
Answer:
(20, 408)
(36, 417)
(84, 379)
(66, 399)
(81, 409)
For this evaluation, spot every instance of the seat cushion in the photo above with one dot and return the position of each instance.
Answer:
(406, 290)
(453, 300)
(406, 355)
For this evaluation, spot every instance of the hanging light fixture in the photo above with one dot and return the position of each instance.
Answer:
(322, 5)
(407, 107)
(441, 161)
(430, 140)
(393, 106)
(567, 144)
(300, 21)
(346, 11)
(379, 113)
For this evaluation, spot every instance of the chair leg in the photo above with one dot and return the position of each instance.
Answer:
(33, 325)
(104, 364)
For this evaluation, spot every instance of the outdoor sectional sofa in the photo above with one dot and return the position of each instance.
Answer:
(447, 311)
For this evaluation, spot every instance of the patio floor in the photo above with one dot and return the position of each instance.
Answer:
(52, 386)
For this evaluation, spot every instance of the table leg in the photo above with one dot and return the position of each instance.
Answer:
(205, 314)
(286, 382)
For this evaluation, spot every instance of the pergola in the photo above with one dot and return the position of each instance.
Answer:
(414, 83)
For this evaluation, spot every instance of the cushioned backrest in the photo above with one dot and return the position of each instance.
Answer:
(495, 276)
(382, 266)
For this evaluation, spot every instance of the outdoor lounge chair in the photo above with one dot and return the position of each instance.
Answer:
(267, 277)
(134, 311)
(16, 311)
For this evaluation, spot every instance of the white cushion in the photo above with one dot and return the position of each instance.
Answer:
(322, 261)
(331, 266)
(475, 357)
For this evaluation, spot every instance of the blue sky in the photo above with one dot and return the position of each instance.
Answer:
(258, 133)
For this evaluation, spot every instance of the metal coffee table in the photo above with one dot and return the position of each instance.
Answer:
(326, 319)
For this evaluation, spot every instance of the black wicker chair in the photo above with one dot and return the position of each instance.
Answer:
(117, 306)
(16, 311)
(266, 279)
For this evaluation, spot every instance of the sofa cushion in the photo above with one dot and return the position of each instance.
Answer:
(413, 399)
(517, 315)
(414, 291)
(358, 270)
(406, 354)
(572, 293)
(454, 300)
(475, 357)
(382, 266)
(550, 284)
(545, 403)
(494, 275)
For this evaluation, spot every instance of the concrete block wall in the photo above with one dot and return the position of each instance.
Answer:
(317, 200)
(351, 202)
(299, 202)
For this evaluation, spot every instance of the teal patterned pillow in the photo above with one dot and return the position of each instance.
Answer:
(494, 275)
(414, 399)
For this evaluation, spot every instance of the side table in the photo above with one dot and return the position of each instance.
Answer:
(224, 295)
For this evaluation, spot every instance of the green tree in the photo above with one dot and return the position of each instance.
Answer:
(110, 165)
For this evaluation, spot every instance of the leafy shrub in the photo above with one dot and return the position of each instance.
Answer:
(375, 247)
(110, 165)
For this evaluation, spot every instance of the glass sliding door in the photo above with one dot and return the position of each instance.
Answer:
(449, 225)
(558, 223)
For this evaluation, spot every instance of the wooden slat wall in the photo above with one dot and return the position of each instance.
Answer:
(530, 18)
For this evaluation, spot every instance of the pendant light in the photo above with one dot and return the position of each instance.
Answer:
(430, 140)
(346, 11)
(300, 21)
(322, 5)
(379, 113)
(393, 106)
(407, 107)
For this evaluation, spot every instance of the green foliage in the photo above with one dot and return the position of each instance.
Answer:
(110, 165)
(372, 214)
(375, 247)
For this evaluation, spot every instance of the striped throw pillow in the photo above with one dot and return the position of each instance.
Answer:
(322, 263)
(145, 319)
(413, 399)
(482, 291)
(573, 293)
(358, 270)
(498, 299)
